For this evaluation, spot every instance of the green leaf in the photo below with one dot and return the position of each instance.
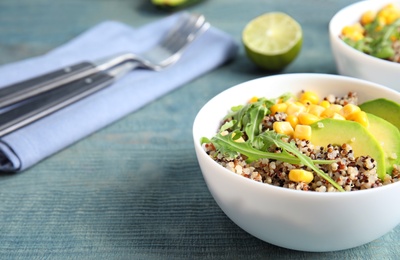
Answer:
(305, 160)
(227, 144)
(227, 125)
(253, 127)
(205, 140)
(384, 52)
(240, 116)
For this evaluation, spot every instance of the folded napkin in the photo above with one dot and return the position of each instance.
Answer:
(27, 146)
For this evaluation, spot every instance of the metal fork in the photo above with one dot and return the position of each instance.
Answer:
(62, 91)
(167, 52)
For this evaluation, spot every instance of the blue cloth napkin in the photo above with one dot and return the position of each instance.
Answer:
(29, 145)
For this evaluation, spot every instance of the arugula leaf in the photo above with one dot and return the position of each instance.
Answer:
(238, 115)
(204, 140)
(227, 125)
(271, 136)
(228, 146)
(253, 127)
(245, 114)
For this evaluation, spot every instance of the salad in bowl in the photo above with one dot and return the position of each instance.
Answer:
(291, 172)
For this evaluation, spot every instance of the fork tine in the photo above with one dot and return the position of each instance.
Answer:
(185, 25)
(183, 33)
(171, 47)
(168, 50)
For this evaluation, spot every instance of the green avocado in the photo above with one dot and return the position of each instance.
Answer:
(384, 108)
(337, 132)
(388, 137)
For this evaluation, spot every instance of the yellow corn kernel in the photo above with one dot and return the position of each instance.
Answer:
(357, 36)
(293, 120)
(389, 6)
(325, 103)
(347, 30)
(333, 108)
(368, 17)
(279, 107)
(295, 108)
(302, 132)
(392, 17)
(310, 96)
(358, 27)
(283, 128)
(360, 117)
(354, 32)
(315, 109)
(253, 100)
(299, 175)
(239, 140)
(328, 113)
(388, 14)
(349, 109)
(307, 118)
(337, 116)
(383, 12)
(306, 102)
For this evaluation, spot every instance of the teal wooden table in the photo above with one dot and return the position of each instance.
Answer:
(134, 190)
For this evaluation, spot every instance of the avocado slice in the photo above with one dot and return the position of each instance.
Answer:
(384, 108)
(337, 132)
(388, 137)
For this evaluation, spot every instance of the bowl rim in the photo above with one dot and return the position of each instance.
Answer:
(286, 191)
(361, 55)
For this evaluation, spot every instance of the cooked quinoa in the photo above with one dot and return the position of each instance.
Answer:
(352, 173)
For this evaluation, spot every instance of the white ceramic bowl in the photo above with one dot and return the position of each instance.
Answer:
(300, 220)
(354, 63)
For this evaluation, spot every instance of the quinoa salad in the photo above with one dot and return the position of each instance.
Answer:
(274, 146)
(376, 33)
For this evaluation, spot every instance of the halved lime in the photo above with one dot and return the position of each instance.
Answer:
(272, 40)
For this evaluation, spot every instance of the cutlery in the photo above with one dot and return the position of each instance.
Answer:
(167, 52)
